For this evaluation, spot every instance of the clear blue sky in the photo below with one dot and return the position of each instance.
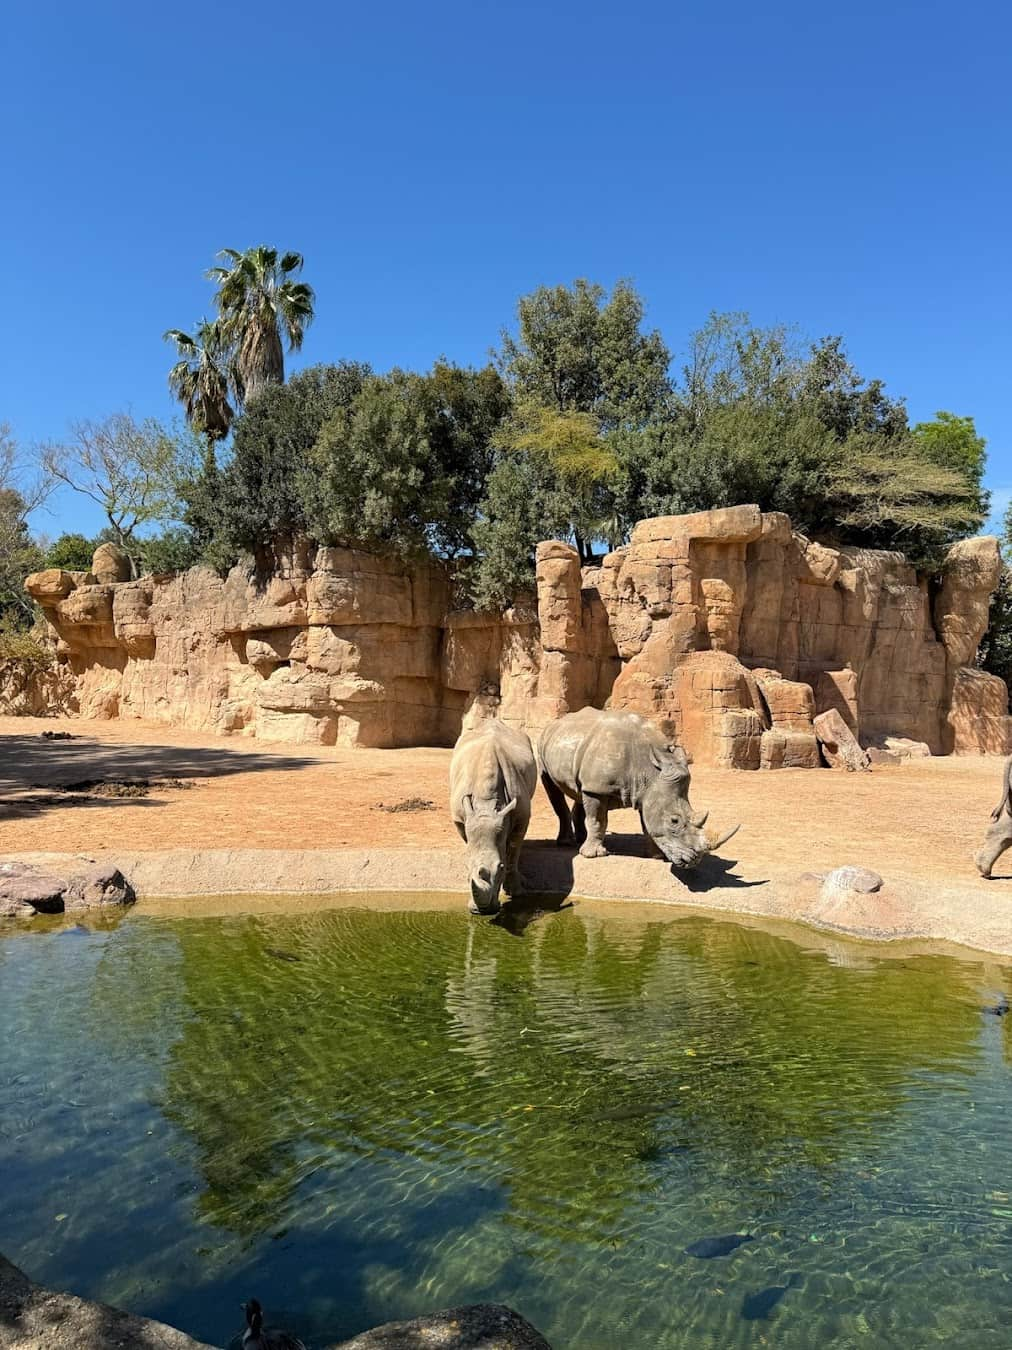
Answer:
(847, 168)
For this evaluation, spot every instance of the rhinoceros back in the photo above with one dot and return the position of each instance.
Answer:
(490, 763)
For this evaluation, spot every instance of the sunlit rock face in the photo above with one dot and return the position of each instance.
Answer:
(726, 624)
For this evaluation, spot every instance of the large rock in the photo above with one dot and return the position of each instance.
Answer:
(110, 563)
(839, 745)
(482, 1326)
(26, 890)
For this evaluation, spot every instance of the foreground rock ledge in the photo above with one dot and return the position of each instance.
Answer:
(34, 1318)
(975, 914)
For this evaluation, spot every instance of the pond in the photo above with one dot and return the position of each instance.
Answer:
(359, 1115)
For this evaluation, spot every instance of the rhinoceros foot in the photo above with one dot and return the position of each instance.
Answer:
(589, 850)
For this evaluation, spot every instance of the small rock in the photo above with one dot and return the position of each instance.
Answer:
(905, 748)
(878, 756)
(101, 884)
(860, 879)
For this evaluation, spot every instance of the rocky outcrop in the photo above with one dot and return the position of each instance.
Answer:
(727, 625)
(27, 890)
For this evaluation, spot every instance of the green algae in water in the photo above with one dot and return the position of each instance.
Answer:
(359, 1116)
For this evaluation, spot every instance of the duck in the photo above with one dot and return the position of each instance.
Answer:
(256, 1338)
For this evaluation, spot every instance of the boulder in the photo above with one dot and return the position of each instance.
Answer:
(877, 756)
(860, 879)
(840, 748)
(110, 563)
(25, 891)
(99, 884)
(904, 748)
(34, 1318)
(481, 1326)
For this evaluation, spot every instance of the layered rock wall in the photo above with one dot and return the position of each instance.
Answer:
(727, 624)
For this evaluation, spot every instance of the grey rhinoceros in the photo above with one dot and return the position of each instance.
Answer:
(999, 833)
(493, 776)
(606, 760)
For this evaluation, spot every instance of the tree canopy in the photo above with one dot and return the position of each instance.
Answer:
(134, 471)
(578, 430)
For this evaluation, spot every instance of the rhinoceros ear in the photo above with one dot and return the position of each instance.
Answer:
(468, 804)
(656, 760)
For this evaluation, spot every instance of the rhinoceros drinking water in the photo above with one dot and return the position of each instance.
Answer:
(493, 776)
(606, 760)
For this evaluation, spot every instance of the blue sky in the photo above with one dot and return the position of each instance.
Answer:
(844, 168)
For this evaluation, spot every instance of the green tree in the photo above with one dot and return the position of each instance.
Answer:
(200, 378)
(522, 505)
(402, 467)
(22, 491)
(70, 552)
(579, 460)
(953, 442)
(261, 305)
(577, 349)
(134, 471)
(584, 378)
(995, 651)
(255, 504)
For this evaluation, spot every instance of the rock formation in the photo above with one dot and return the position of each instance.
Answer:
(727, 624)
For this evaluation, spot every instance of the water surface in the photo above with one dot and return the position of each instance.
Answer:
(359, 1116)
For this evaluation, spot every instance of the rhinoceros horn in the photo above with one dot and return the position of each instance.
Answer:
(724, 838)
(700, 820)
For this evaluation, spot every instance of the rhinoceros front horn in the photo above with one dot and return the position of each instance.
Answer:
(725, 837)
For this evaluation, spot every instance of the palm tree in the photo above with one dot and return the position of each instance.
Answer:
(259, 303)
(200, 378)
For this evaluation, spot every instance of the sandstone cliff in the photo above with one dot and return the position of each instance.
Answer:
(726, 623)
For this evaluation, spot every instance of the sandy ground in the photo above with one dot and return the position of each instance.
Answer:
(917, 823)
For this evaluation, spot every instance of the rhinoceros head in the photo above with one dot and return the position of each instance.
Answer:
(669, 819)
(487, 832)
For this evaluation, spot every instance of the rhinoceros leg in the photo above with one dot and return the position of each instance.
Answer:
(597, 824)
(561, 807)
(513, 882)
(996, 841)
(579, 822)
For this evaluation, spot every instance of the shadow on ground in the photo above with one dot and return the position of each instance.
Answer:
(555, 865)
(31, 763)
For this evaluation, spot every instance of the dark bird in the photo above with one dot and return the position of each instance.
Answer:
(255, 1337)
(709, 1247)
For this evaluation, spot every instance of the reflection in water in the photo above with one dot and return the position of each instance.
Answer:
(361, 1115)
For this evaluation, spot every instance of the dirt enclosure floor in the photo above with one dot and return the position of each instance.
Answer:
(916, 823)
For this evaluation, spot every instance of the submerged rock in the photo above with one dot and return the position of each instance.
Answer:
(482, 1326)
